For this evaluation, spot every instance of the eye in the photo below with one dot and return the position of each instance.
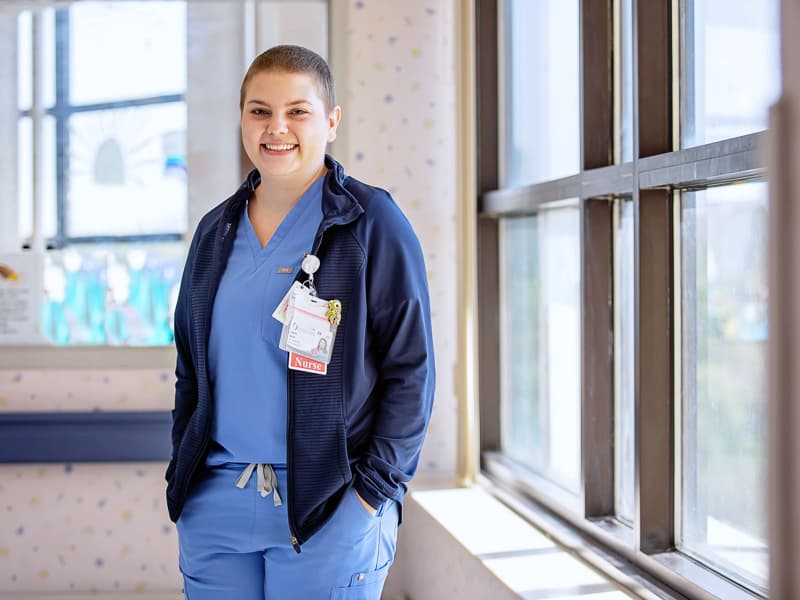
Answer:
(299, 112)
(258, 112)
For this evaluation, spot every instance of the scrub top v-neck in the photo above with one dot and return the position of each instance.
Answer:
(246, 367)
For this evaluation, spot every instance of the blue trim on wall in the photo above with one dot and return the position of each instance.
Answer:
(85, 437)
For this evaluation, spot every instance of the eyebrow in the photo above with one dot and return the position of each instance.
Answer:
(292, 103)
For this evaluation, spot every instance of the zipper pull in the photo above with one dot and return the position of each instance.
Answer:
(295, 544)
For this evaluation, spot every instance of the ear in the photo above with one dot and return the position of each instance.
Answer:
(333, 122)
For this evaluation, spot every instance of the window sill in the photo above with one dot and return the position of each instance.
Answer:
(499, 553)
(610, 540)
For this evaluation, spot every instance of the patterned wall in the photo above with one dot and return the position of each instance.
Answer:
(103, 527)
(86, 527)
(400, 115)
(55, 390)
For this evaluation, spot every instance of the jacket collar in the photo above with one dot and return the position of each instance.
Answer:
(339, 206)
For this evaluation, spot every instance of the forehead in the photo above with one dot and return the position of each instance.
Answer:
(282, 86)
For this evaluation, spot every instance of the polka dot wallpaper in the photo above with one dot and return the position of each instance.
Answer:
(400, 117)
(86, 527)
(36, 390)
(104, 527)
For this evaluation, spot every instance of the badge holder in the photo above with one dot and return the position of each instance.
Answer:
(309, 323)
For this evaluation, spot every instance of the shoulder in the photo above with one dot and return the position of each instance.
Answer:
(382, 214)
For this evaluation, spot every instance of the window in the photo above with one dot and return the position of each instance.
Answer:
(731, 69)
(541, 334)
(624, 364)
(634, 320)
(625, 68)
(114, 198)
(542, 94)
(724, 296)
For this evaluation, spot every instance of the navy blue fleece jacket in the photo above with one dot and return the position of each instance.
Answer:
(367, 418)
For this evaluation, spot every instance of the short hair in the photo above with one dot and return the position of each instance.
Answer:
(293, 59)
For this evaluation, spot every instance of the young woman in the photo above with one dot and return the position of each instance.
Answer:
(287, 471)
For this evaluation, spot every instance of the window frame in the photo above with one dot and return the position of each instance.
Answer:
(659, 171)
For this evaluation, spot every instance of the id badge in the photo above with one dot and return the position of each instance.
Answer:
(309, 331)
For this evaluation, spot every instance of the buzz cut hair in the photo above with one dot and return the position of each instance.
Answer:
(293, 59)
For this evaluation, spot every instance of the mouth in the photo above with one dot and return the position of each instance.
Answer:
(278, 148)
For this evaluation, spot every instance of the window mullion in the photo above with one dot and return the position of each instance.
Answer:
(597, 150)
(597, 92)
(654, 283)
(60, 115)
(597, 366)
(487, 178)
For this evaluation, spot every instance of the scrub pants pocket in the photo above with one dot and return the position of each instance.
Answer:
(363, 586)
(380, 535)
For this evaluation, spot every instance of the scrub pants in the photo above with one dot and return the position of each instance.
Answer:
(234, 544)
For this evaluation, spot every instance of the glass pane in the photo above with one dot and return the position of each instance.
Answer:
(541, 343)
(725, 323)
(139, 47)
(626, 125)
(624, 424)
(127, 171)
(731, 68)
(25, 178)
(542, 136)
(121, 294)
(25, 59)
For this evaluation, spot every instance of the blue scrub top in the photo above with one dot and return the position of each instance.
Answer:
(247, 369)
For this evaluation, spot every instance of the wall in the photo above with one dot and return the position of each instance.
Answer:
(399, 116)
(103, 527)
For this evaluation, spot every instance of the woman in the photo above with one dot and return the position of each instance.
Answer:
(332, 445)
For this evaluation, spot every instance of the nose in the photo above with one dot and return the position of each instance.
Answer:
(276, 125)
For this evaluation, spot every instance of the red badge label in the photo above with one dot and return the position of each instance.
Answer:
(298, 362)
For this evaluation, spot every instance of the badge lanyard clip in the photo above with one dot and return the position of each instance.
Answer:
(310, 265)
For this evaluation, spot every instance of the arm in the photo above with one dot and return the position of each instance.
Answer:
(400, 322)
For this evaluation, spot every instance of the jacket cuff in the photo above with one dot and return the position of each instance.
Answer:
(368, 496)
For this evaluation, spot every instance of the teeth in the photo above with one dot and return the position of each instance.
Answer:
(278, 147)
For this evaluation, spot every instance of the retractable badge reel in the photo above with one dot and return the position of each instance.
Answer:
(309, 323)
(310, 265)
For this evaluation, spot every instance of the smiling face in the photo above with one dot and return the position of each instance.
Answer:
(286, 126)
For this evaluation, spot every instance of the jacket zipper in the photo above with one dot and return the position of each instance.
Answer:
(289, 471)
(290, 438)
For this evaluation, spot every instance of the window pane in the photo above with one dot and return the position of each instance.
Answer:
(25, 178)
(542, 91)
(626, 129)
(624, 424)
(541, 343)
(127, 171)
(724, 300)
(139, 47)
(25, 59)
(120, 294)
(731, 68)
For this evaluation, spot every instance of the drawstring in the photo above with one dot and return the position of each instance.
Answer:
(267, 481)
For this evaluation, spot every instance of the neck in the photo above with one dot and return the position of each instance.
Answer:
(276, 194)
